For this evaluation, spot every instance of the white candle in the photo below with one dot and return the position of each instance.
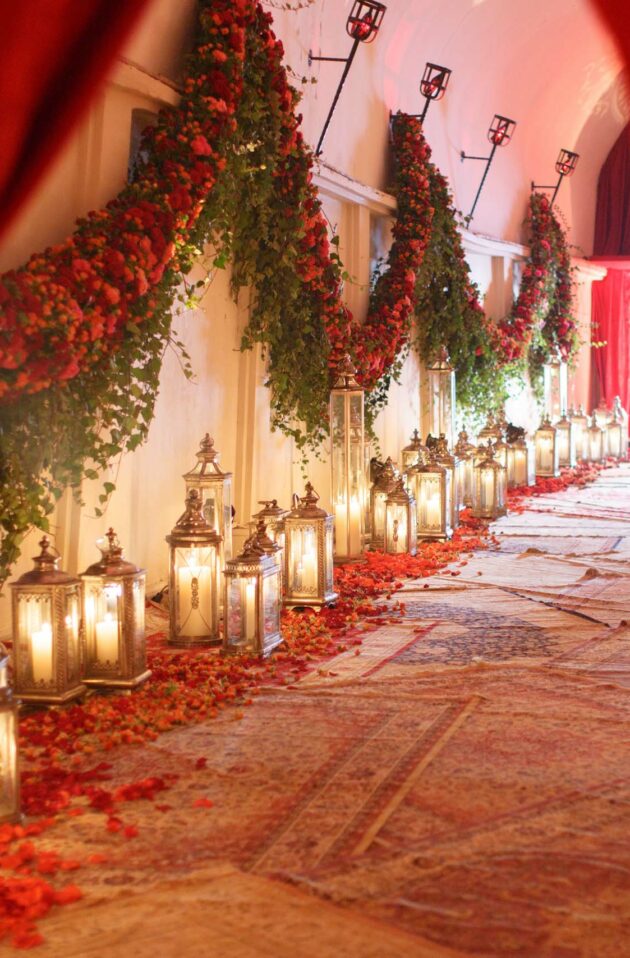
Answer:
(488, 489)
(107, 639)
(341, 528)
(355, 526)
(193, 587)
(434, 509)
(309, 570)
(250, 610)
(42, 653)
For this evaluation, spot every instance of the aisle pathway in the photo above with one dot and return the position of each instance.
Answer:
(459, 787)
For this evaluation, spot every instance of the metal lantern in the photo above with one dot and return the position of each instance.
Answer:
(614, 437)
(444, 458)
(215, 490)
(348, 472)
(414, 451)
(193, 582)
(566, 442)
(595, 436)
(308, 559)
(364, 20)
(9, 765)
(433, 501)
(490, 487)
(465, 460)
(252, 600)
(113, 619)
(46, 632)
(434, 83)
(381, 488)
(401, 533)
(441, 380)
(546, 448)
(579, 421)
(556, 386)
(520, 464)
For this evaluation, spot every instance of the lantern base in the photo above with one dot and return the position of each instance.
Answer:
(347, 560)
(245, 649)
(106, 683)
(302, 602)
(548, 475)
(433, 537)
(13, 818)
(192, 642)
(49, 698)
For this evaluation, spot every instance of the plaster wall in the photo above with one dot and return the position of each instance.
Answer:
(228, 397)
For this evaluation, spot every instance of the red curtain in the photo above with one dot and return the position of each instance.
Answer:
(615, 15)
(612, 218)
(611, 325)
(54, 54)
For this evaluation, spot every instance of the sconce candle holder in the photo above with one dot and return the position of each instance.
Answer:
(500, 132)
(565, 166)
(362, 25)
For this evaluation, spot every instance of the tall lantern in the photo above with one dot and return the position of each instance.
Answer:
(113, 619)
(433, 492)
(546, 448)
(46, 632)
(595, 436)
(444, 458)
(414, 451)
(252, 600)
(348, 472)
(614, 437)
(9, 765)
(465, 459)
(556, 386)
(441, 380)
(381, 488)
(401, 534)
(490, 487)
(579, 421)
(194, 578)
(520, 464)
(309, 553)
(215, 490)
(566, 442)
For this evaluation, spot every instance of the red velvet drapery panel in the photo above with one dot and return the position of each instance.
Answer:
(615, 15)
(612, 219)
(54, 54)
(611, 324)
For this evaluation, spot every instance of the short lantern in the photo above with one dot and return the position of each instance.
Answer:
(433, 501)
(595, 436)
(381, 488)
(465, 459)
(46, 632)
(348, 472)
(9, 765)
(113, 619)
(414, 451)
(215, 490)
(520, 464)
(614, 437)
(401, 534)
(252, 601)
(579, 421)
(194, 578)
(444, 458)
(555, 386)
(546, 449)
(273, 516)
(309, 553)
(566, 442)
(490, 487)
(441, 381)
(364, 20)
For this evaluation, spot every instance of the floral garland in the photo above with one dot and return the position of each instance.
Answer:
(543, 314)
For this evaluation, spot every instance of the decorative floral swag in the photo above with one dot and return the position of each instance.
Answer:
(85, 323)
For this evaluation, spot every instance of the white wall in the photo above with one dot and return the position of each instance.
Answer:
(229, 398)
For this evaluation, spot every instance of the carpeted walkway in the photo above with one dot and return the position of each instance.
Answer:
(459, 786)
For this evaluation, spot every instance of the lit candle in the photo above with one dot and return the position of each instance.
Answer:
(107, 639)
(434, 509)
(355, 526)
(341, 528)
(309, 570)
(488, 489)
(42, 653)
(250, 610)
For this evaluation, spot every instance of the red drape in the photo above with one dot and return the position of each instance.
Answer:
(611, 324)
(612, 219)
(54, 54)
(615, 15)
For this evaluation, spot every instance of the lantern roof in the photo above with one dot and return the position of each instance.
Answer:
(207, 465)
(306, 507)
(264, 543)
(112, 561)
(442, 362)
(386, 477)
(489, 462)
(399, 493)
(416, 444)
(270, 510)
(253, 556)
(346, 375)
(192, 523)
(46, 571)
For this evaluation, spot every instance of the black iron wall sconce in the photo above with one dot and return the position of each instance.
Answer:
(433, 86)
(500, 133)
(362, 25)
(565, 166)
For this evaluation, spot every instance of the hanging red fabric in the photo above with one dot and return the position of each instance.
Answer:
(611, 325)
(54, 55)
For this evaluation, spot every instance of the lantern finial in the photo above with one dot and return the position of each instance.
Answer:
(45, 561)
(346, 374)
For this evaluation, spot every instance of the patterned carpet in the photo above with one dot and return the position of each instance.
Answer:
(460, 787)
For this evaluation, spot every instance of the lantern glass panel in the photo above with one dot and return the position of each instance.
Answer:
(556, 388)
(433, 504)
(303, 561)
(9, 782)
(348, 476)
(195, 570)
(490, 491)
(441, 379)
(546, 447)
(614, 439)
(397, 528)
(35, 621)
(271, 604)
(566, 443)
(596, 444)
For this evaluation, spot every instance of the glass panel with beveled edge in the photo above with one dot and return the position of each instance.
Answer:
(35, 626)
(195, 570)
(303, 563)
